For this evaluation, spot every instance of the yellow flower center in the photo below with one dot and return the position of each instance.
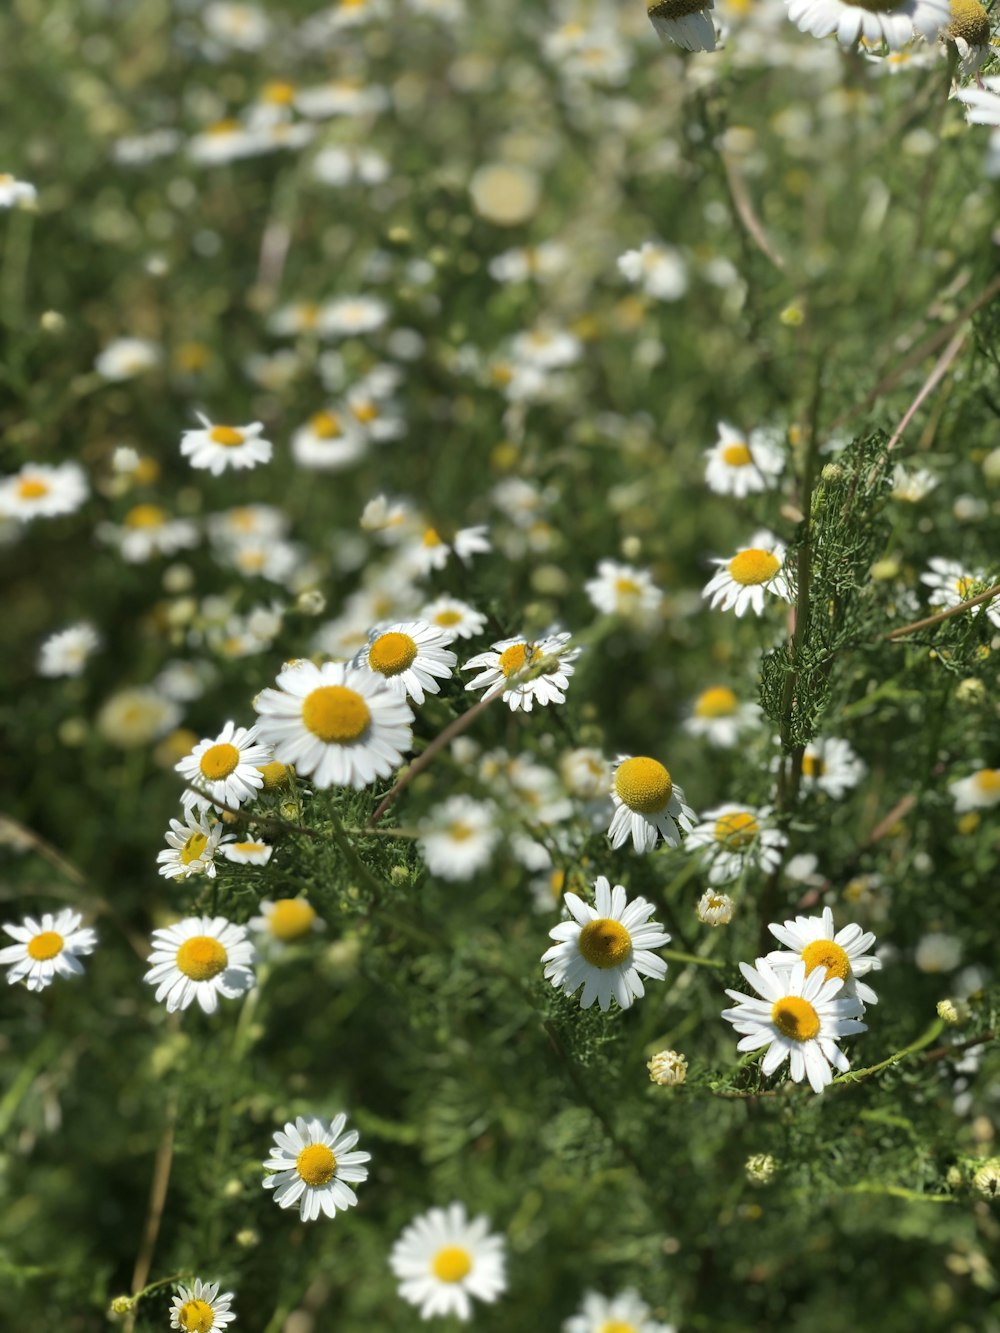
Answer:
(227, 435)
(278, 93)
(316, 1164)
(196, 1317)
(431, 538)
(754, 566)
(249, 847)
(308, 314)
(325, 425)
(459, 832)
(644, 785)
(795, 1018)
(452, 1264)
(719, 701)
(737, 455)
(970, 21)
(964, 587)
(392, 653)
(626, 587)
(365, 412)
(145, 516)
(194, 848)
(605, 943)
(291, 918)
(32, 488)
(617, 1326)
(219, 761)
(557, 882)
(447, 618)
(222, 127)
(516, 658)
(736, 830)
(275, 775)
(336, 714)
(988, 781)
(824, 953)
(45, 946)
(813, 765)
(201, 958)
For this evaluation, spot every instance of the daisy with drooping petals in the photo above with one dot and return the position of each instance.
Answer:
(249, 853)
(830, 765)
(443, 1260)
(191, 847)
(685, 22)
(546, 666)
(714, 909)
(736, 465)
(605, 948)
(625, 1313)
(226, 769)
(648, 805)
(983, 102)
(200, 958)
(315, 1166)
(458, 619)
(411, 657)
(893, 22)
(42, 491)
(66, 653)
(732, 837)
(718, 715)
(200, 1309)
(339, 725)
(954, 583)
(458, 837)
(623, 590)
(285, 922)
(47, 948)
(979, 791)
(810, 939)
(741, 582)
(219, 447)
(798, 1017)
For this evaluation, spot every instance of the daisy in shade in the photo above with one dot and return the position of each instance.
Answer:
(46, 949)
(894, 22)
(226, 769)
(443, 1260)
(66, 653)
(830, 765)
(41, 491)
(606, 949)
(741, 582)
(979, 791)
(315, 1166)
(983, 103)
(200, 958)
(797, 1017)
(200, 1309)
(457, 618)
(740, 466)
(685, 22)
(458, 837)
(625, 1313)
(733, 837)
(338, 724)
(718, 715)
(285, 922)
(542, 670)
(953, 583)
(220, 447)
(249, 853)
(648, 805)
(411, 657)
(623, 590)
(810, 939)
(191, 847)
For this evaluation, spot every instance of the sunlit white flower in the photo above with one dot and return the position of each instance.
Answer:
(66, 652)
(648, 805)
(740, 465)
(200, 1308)
(937, 952)
(136, 716)
(657, 268)
(456, 618)
(15, 193)
(741, 581)
(191, 846)
(46, 948)
(244, 27)
(250, 852)
(147, 531)
(539, 263)
(830, 765)
(341, 97)
(546, 348)
(912, 486)
(430, 551)
(954, 583)
(411, 657)
(586, 773)
(350, 316)
(200, 958)
(978, 791)
(718, 715)
(714, 908)
(626, 1311)
(811, 940)
(226, 768)
(220, 447)
(127, 357)
(346, 165)
(41, 490)
(893, 23)
(733, 837)
(328, 442)
(223, 141)
(458, 837)
(624, 591)
(254, 520)
(285, 921)
(444, 1261)
(983, 103)
(541, 670)
(315, 1165)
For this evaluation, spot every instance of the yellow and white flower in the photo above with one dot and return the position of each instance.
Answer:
(342, 97)
(740, 465)
(243, 27)
(47, 948)
(343, 164)
(226, 768)
(351, 316)
(411, 657)
(15, 193)
(137, 716)
(658, 269)
(458, 837)
(430, 551)
(983, 102)
(545, 665)
(200, 1309)
(893, 22)
(667, 1068)
(40, 490)
(125, 358)
(954, 583)
(444, 1260)
(217, 448)
(315, 1165)
(979, 791)
(285, 921)
(250, 852)
(714, 908)
(811, 940)
(625, 1313)
(147, 530)
(623, 590)
(741, 581)
(719, 717)
(647, 805)
(191, 847)
(200, 958)
(328, 442)
(830, 765)
(66, 652)
(456, 618)
(732, 837)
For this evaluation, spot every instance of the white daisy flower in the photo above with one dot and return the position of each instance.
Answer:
(15, 193)
(328, 442)
(742, 581)
(983, 102)
(261, 521)
(430, 552)
(539, 263)
(223, 141)
(378, 417)
(912, 486)
(125, 358)
(443, 1260)
(191, 847)
(226, 768)
(894, 22)
(715, 909)
(46, 948)
(245, 27)
(315, 1166)
(625, 1313)
(146, 531)
(623, 590)
(954, 583)
(586, 773)
(810, 939)
(352, 315)
(979, 791)
(830, 765)
(43, 491)
(458, 619)
(719, 717)
(741, 466)
(667, 1068)
(220, 447)
(606, 949)
(547, 666)
(200, 958)
(248, 853)
(937, 952)
(411, 657)
(648, 805)
(658, 269)
(261, 558)
(732, 837)
(200, 1309)
(337, 724)
(799, 1018)
(137, 716)
(458, 837)
(546, 348)
(348, 165)
(66, 652)
(342, 97)
(285, 921)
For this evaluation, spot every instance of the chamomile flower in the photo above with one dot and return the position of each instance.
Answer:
(586, 774)
(328, 442)
(606, 949)
(799, 1017)
(339, 725)
(443, 1260)
(658, 269)
(811, 940)
(125, 358)
(719, 717)
(411, 657)
(458, 837)
(200, 1308)
(226, 768)
(740, 465)
(352, 315)
(40, 490)
(220, 447)
(623, 590)
(430, 551)
(137, 716)
(685, 22)
(200, 958)
(732, 837)
(983, 102)
(343, 165)
(191, 846)
(714, 909)
(830, 765)
(315, 1165)
(912, 486)
(894, 22)
(285, 921)
(979, 791)
(626, 1311)
(46, 948)
(15, 193)
(546, 666)
(66, 653)
(250, 852)
(458, 619)
(146, 531)
(647, 805)
(741, 581)
(953, 583)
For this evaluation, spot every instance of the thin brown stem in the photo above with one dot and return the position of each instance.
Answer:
(157, 1200)
(745, 211)
(929, 385)
(930, 621)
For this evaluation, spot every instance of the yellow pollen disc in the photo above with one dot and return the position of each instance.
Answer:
(275, 775)
(392, 653)
(736, 830)
(452, 1264)
(988, 781)
(716, 702)
(964, 587)
(459, 832)
(824, 953)
(617, 1326)
(516, 657)
(795, 1018)
(447, 618)
(201, 958)
(336, 714)
(365, 412)
(249, 846)
(737, 455)
(145, 516)
(557, 882)
(291, 918)
(278, 93)
(325, 425)
(754, 566)
(316, 1164)
(813, 766)
(228, 126)
(196, 1317)
(45, 946)
(193, 848)
(605, 943)
(970, 21)
(431, 538)
(227, 435)
(627, 587)
(644, 785)
(32, 488)
(219, 761)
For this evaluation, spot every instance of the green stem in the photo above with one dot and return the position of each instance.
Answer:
(925, 1039)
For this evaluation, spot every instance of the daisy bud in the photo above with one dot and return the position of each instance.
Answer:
(715, 909)
(668, 1068)
(760, 1168)
(831, 472)
(950, 1011)
(121, 1305)
(970, 691)
(986, 1181)
(52, 321)
(247, 1238)
(311, 602)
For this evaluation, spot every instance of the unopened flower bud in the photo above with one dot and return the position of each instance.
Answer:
(760, 1168)
(668, 1068)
